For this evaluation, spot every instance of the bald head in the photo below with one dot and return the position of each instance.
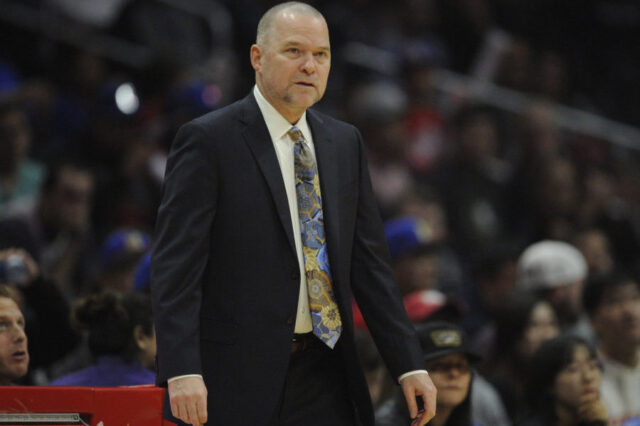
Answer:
(266, 22)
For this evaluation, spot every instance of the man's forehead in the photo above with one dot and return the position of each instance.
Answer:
(9, 308)
(289, 24)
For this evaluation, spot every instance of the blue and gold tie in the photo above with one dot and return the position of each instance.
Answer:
(325, 316)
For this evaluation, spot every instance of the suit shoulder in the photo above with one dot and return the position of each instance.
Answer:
(213, 119)
(333, 123)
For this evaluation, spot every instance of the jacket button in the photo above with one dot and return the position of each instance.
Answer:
(289, 320)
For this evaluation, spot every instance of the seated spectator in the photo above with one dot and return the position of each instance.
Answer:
(525, 321)
(613, 304)
(557, 270)
(121, 339)
(448, 359)
(45, 310)
(20, 177)
(60, 226)
(122, 251)
(564, 384)
(413, 247)
(14, 357)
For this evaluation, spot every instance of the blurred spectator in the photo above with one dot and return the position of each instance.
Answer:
(595, 247)
(20, 177)
(474, 180)
(46, 311)
(121, 253)
(423, 205)
(557, 271)
(536, 141)
(60, 226)
(613, 304)
(425, 123)
(564, 384)
(514, 69)
(378, 109)
(14, 356)
(413, 247)
(494, 279)
(121, 339)
(448, 359)
(381, 384)
(556, 200)
(524, 322)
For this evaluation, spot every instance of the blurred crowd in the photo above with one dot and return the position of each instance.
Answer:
(514, 241)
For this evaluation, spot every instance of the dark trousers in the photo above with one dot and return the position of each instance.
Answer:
(315, 391)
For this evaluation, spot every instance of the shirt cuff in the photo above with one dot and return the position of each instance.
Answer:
(182, 377)
(411, 373)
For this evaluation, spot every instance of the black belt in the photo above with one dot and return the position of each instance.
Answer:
(302, 342)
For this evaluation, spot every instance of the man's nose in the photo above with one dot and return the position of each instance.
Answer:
(309, 64)
(19, 334)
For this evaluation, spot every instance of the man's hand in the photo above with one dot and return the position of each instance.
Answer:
(188, 398)
(419, 385)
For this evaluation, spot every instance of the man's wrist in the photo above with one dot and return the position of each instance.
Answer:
(183, 377)
(411, 373)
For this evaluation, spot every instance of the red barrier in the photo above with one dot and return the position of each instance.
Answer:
(121, 406)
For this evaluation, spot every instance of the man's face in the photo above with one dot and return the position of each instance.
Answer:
(292, 67)
(72, 199)
(14, 358)
(617, 320)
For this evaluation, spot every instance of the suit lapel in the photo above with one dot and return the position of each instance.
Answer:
(257, 138)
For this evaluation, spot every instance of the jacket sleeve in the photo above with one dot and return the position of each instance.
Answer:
(181, 250)
(374, 285)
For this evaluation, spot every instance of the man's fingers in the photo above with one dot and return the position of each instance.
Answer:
(429, 407)
(193, 417)
(175, 410)
(202, 410)
(410, 396)
(426, 414)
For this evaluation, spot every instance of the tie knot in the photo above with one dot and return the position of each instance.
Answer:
(296, 134)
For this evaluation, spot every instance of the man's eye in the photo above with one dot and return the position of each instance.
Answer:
(293, 50)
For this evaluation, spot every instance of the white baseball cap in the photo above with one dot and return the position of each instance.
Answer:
(549, 264)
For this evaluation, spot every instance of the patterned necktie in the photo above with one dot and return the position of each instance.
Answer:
(325, 317)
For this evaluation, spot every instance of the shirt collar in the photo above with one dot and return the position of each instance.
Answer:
(277, 125)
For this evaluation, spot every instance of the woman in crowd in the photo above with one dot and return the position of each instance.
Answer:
(448, 359)
(121, 339)
(525, 322)
(564, 384)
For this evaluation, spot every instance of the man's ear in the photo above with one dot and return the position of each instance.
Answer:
(256, 57)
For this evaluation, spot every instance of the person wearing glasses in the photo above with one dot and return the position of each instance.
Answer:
(449, 360)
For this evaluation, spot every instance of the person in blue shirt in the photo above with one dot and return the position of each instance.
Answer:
(121, 340)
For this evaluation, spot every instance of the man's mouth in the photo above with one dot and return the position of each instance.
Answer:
(305, 84)
(19, 355)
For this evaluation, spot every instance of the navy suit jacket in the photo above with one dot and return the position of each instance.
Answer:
(224, 272)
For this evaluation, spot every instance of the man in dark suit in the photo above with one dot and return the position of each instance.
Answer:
(267, 229)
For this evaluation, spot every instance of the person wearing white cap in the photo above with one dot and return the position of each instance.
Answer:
(557, 270)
